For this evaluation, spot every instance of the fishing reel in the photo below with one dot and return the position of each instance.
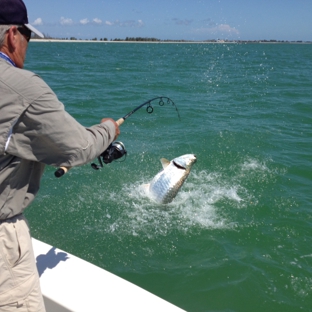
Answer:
(114, 151)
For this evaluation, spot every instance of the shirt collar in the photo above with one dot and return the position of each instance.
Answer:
(7, 58)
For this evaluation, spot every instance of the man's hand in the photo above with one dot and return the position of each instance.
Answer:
(117, 131)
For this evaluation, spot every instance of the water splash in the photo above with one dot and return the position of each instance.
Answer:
(206, 201)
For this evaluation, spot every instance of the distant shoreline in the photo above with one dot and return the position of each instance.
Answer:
(176, 41)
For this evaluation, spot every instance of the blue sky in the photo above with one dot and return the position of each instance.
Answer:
(173, 19)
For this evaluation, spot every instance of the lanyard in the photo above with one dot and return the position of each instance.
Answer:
(5, 57)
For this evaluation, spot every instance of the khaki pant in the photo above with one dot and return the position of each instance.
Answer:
(19, 279)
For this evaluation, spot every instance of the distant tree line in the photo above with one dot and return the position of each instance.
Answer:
(148, 39)
(141, 39)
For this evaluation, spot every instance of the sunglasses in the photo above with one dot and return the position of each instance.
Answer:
(25, 32)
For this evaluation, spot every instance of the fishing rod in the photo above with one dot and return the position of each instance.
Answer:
(149, 107)
(117, 149)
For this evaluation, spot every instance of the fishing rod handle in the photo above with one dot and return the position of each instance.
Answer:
(63, 170)
(120, 121)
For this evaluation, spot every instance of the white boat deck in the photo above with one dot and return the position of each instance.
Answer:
(69, 283)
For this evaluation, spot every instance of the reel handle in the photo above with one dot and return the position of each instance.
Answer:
(63, 170)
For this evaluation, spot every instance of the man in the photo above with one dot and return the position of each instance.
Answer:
(35, 131)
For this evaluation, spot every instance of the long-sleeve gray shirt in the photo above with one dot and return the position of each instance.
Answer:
(35, 130)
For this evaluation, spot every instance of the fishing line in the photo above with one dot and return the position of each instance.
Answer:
(188, 143)
(117, 149)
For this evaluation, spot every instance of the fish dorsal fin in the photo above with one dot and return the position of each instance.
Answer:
(165, 162)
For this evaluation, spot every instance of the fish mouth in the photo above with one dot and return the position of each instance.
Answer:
(178, 166)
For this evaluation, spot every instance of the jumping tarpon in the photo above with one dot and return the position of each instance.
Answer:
(166, 184)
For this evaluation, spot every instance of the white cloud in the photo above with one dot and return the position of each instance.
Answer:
(84, 21)
(130, 23)
(66, 21)
(225, 28)
(221, 29)
(38, 22)
(97, 21)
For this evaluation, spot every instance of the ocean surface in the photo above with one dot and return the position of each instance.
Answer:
(238, 236)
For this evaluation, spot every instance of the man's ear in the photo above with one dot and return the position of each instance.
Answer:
(12, 39)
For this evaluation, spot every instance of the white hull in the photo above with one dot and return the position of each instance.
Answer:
(69, 283)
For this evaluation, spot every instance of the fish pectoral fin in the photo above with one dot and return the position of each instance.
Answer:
(165, 162)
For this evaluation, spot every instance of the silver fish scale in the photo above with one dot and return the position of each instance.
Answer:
(166, 184)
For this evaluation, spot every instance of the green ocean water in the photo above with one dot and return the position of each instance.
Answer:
(238, 235)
